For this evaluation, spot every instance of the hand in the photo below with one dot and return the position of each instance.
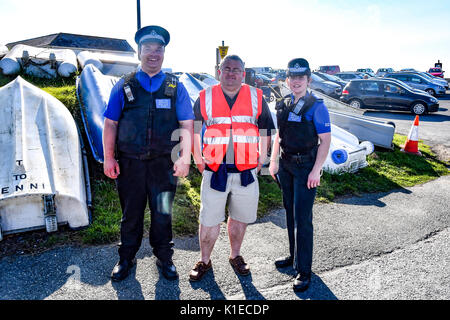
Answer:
(313, 179)
(181, 168)
(273, 169)
(111, 168)
(201, 166)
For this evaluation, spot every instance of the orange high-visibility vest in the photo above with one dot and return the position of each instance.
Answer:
(240, 124)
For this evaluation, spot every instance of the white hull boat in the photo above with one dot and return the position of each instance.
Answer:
(43, 179)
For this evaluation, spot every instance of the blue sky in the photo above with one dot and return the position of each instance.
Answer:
(350, 33)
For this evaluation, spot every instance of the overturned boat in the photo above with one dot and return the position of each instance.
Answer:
(39, 62)
(111, 64)
(93, 91)
(44, 180)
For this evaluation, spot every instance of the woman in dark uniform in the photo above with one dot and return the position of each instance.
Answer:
(302, 141)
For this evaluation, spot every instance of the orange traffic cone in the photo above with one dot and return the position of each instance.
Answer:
(412, 142)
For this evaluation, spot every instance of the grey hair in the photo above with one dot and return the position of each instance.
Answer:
(232, 57)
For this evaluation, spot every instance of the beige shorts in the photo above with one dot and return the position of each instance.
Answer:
(242, 205)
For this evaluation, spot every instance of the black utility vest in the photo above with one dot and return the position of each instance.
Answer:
(148, 119)
(297, 137)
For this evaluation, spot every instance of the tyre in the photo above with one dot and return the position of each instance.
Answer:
(418, 108)
(431, 92)
(355, 103)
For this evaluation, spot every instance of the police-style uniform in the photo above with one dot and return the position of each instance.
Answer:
(298, 123)
(148, 110)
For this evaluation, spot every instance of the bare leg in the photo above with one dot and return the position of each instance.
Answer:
(207, 237)
(236, 232)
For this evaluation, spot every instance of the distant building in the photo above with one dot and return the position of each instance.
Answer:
(78, 43)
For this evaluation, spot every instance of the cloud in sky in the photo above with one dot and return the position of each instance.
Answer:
(265, 33)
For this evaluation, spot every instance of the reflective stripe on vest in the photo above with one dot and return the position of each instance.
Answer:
(241, 121)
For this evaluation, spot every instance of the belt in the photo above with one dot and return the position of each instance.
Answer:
(298, 158)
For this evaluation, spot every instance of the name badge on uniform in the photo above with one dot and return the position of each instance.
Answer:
(294, 118)
(162, 103)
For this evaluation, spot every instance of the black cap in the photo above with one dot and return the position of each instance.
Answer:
(152, 34)
(298, 67)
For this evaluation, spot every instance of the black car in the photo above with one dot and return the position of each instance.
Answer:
(387, 95)
(330, 77)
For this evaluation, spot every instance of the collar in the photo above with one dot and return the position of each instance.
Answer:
(143, 74)
(302, 98)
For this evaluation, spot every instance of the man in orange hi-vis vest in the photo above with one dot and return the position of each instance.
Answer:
(234, 147)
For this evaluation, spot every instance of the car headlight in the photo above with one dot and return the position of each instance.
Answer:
(441, 88)
(433, 100)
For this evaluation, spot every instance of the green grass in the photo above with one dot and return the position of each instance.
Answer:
(387, 170)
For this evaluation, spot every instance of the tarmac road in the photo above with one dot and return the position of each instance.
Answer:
(380, 246)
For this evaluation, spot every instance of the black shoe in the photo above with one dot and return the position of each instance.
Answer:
(284, 262)
(301, 282)
(168, 269)
(122, 269)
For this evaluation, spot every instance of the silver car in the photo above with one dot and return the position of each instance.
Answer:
(382, 71)
(418, 81)
(327, 87)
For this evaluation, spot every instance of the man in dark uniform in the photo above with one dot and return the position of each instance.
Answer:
(303, 121)
(144, 110)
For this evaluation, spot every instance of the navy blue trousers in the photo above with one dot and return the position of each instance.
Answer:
(298, 201)
(140, 181)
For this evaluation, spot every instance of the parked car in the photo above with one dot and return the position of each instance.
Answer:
(329, 69)
(331, 77)
(437, 72)
(366, 70)
(388, 94)
(327, 87)
(434, 79)
(281, 75)
(261, 80)
(347, 76)
(409, 69)
(272, 77)
(382, 71)
(418, 82)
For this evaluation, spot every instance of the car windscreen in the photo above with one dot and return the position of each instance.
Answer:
(316, 78)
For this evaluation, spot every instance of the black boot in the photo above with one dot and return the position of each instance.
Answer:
(122, 269)
(167, 269)
(301, 282)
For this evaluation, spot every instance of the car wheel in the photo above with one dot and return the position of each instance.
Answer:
(431, 92)
(418, 108)
(355, 103)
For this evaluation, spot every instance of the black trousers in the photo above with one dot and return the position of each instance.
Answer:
(298, 201)
(140, 181)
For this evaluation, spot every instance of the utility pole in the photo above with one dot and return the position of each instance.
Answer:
(138, 14)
